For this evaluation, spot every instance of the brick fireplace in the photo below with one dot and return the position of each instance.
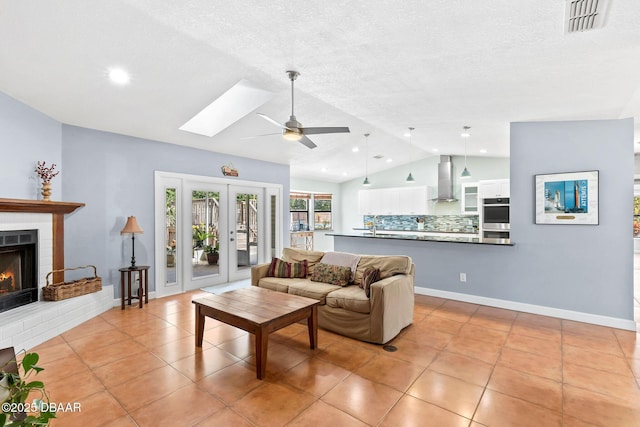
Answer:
(28, 325)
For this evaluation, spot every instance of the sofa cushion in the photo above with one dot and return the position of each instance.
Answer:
(371, 275)
(297, 255)
(350, 298)
(274, 283)
(389, 265)
(309, 289)
(333, 274)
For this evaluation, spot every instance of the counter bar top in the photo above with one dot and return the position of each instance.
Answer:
(426, 238)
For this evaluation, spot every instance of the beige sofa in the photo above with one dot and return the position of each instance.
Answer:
(347, 310)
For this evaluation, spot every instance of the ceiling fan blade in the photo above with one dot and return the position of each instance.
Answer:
(269, 119)
(315, 131)
(258, 136)
(307, 142)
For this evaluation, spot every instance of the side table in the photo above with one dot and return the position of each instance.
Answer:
(143, 283)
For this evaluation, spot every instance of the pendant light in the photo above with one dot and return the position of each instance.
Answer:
(465, 134)
(366, 182)
(410, 179)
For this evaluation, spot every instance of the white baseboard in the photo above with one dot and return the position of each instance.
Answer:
(596, 319)
(117, 301)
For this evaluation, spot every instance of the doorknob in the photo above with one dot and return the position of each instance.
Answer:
(231, 239)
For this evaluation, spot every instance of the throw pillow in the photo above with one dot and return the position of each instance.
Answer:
(299, 269)
(334, 274)
(279, 268)
(370, 276)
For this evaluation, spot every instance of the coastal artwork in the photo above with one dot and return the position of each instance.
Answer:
(567, 198)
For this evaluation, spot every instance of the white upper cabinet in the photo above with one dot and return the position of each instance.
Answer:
(393, 201)
(469, 198)
(494, 188)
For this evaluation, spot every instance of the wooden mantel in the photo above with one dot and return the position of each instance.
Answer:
(57, 210)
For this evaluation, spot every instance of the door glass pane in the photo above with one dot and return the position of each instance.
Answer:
(170, 235)
(205, 214)
(246, 230)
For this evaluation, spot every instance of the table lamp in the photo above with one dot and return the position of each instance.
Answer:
(132, 227)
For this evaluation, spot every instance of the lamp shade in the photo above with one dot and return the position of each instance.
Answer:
(131, 227)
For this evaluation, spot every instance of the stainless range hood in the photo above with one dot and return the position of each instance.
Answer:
(445, 180)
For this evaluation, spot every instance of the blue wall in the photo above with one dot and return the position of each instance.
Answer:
(114, 175)
(26, 137)
(580, 269)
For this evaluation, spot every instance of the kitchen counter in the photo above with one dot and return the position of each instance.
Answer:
(417, 232)
(429, 238)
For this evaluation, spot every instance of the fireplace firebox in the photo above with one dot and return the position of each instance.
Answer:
(18, 268)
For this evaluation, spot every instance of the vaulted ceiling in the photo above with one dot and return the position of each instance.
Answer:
(377, 67)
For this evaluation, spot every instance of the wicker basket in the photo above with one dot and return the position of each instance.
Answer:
(64, 290)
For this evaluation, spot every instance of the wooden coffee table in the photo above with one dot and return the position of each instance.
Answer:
(260, 312)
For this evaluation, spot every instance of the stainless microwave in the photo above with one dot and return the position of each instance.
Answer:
(495, 214)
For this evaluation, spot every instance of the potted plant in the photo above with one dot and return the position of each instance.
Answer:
(16, 388)
(171, 254)
(212, 253)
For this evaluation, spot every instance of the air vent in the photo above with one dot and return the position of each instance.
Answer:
(583, 15)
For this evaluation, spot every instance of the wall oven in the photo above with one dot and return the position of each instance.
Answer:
(495, 219)
(495, 214)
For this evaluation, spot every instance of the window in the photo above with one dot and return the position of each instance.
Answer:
(299, 211)
(322, 212)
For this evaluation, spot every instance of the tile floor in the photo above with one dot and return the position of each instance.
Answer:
(459, 364)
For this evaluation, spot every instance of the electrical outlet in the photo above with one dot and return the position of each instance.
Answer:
(463, 277)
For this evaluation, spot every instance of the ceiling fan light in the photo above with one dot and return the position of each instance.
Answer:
(410, 179)
(366, 182)
(291, 135)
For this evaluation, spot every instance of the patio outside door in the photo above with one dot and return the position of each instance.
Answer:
(205, 235)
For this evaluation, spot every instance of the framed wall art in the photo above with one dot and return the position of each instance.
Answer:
(567, 198)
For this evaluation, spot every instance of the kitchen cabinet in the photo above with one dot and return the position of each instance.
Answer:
(469, 198)
(494, 189)
(393, 201)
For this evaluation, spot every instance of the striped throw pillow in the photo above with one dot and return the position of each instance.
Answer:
(279, 268)
(299, 269)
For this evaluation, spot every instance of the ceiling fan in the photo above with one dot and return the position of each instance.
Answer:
(293, 130)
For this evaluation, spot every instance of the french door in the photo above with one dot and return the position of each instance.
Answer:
(210, 231)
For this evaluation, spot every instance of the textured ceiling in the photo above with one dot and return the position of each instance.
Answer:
(376, 67)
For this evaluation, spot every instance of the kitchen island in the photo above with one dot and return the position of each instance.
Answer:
(428, 237)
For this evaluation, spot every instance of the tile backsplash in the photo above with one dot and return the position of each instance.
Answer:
(439, 223)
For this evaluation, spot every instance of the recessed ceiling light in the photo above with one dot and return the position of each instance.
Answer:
(355, 149)
(407, 134)
(323, 169)
(344, 174)
(389, 160)
(483, 151)
(434, 150)
(119, 76)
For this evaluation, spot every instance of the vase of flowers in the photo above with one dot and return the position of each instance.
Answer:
(46, 174)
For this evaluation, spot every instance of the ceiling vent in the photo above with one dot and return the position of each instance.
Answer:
(583, 15)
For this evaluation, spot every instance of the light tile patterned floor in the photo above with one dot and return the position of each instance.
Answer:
(459, 364)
